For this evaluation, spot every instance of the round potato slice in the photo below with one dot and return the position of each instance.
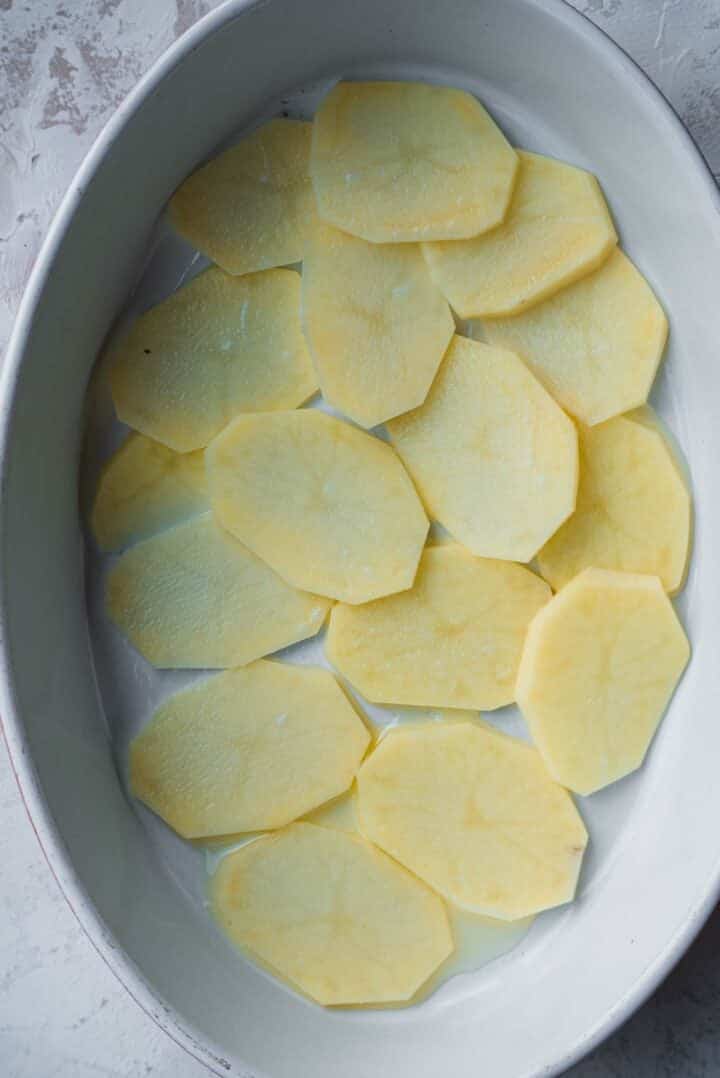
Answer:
(193, 597)
(248, 750)
(376, 324)
(329, 507)
(332, 915)
(475, 814)
(557, 229)
(600, 664)
(145, 488)
(220, 346)
(633, 507)
(394, 162)
(453, 640)
(251, 207)
(596, 345)
(492, 455)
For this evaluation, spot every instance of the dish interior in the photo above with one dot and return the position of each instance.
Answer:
(131, 689)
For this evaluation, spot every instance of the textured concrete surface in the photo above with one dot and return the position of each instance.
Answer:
(64, 66)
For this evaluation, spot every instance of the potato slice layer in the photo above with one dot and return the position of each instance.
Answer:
(332, 915)
(145, 488)
(376, 324)
(251, 207)
(218, 347)
(248, 750)
(633, 507)
(601, 661)
(328, 507)
(453, 640)
(399, 161)
(475, 814)
(492, 455)
(596, 345)
(194, 597)
(557, 230)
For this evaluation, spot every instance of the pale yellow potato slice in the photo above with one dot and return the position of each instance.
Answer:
(248, 750)
(453, 640)
(492, 455)
(475, 814)
(193, 597)
(145, 488)
(329, 507)
(400, 161)
(250, 207)
(596, 345)
(600, 664)
(332, 915)
(557, 229)
(633, 507)
(477, 939)
(376, 325)
(338, 814)
(220, 346)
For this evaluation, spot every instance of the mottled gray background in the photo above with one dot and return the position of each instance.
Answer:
(64, 66)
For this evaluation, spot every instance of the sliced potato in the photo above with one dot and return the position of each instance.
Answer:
(328, 507)
(144, 488)
(248, 750)
(194, 597)
(250, 207)
(453, 640)
(596, 345)
(557, 229)
(633, 507)
(376, 324)
(219, 346)
(601, 661)
(475, 814)
(332, 915)
(492, 455)
(338, 814)
(398, 161)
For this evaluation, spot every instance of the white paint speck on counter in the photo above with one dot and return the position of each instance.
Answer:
(64, 67)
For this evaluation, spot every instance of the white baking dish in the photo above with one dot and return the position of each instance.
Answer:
(557, 84)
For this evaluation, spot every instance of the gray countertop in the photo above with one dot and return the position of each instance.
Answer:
(64, 66)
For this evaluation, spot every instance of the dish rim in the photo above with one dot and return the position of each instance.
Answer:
(46, 831)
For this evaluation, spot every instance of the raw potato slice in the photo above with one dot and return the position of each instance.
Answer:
(338, 814)
(376, 325)
(248, 750)
(492, 455)
(251, 207)
(596, 345)
(453, 640)
(633, 507)
(399, 161)
(557, 229)
(601, 661)
(220, 346)
(332, 915)
(329, 507)
(475, 814)
(193, 597)
(145, 488)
